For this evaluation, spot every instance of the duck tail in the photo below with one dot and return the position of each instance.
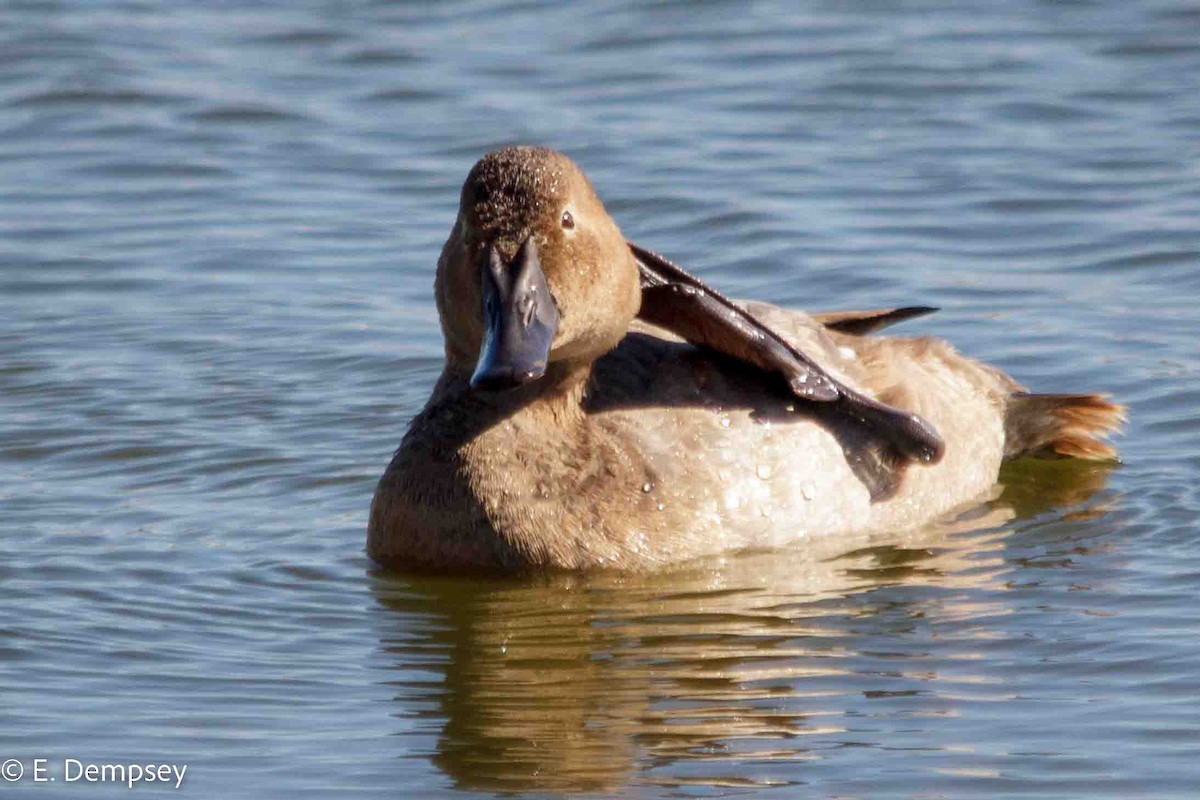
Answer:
(1061, 425)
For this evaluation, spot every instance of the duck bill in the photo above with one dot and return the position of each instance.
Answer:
(520, 320)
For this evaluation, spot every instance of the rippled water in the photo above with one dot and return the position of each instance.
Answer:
(218, 227)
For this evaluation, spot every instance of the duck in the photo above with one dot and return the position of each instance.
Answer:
(600, 408)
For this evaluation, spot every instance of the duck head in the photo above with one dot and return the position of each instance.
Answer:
(535, 274)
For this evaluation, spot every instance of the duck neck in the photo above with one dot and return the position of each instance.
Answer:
(558, 393)
(494, 426)
(522, 476)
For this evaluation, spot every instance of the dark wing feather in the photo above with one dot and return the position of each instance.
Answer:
(681, 303)
(860, 323)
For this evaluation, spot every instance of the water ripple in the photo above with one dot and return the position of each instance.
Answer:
(218, 228)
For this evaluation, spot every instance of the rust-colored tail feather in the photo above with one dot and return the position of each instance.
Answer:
(1064, 425)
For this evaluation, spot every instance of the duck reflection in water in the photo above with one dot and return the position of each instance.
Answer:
(588, 682)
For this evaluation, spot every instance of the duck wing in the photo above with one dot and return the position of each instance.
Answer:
(861, 323)
(683, 304)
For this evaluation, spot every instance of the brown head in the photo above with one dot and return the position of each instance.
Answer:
(534, 273)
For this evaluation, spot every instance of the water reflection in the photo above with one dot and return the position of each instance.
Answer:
(577, 683)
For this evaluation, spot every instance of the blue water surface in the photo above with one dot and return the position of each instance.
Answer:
(218, 230)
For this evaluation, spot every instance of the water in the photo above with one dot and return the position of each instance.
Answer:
(218, 227)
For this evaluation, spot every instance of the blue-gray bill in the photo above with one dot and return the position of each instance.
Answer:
(520, 320)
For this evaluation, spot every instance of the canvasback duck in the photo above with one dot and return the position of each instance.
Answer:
(599, 407)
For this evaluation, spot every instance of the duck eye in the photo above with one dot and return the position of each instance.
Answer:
(568, 222)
